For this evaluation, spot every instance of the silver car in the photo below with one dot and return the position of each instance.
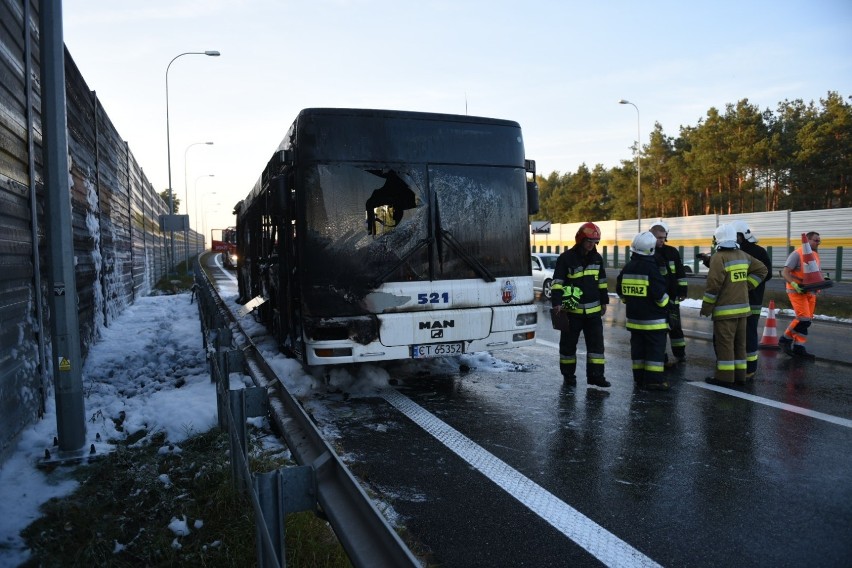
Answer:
(542, 272)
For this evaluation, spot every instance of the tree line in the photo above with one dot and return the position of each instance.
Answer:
(741, 161)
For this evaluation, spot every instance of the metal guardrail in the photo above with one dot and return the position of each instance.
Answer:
(320, 481)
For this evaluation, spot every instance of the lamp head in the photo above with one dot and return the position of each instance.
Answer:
(623, 102)
(212, 53)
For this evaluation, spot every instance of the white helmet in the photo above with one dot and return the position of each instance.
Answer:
(726, 237)
(742, 227)
(661, 224)
(644, 243)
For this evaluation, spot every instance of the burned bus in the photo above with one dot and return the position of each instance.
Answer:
(377, 235)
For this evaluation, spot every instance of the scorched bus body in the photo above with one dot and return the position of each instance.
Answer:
(378, 235)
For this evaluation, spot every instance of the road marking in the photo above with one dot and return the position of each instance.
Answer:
(218, 260)
(592, 537)
(782, 405)
(753, 398)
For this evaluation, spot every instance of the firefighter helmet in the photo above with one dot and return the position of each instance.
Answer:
(588, 231)
(725, 237)
(644, 243)
(662, 225)
(742, 227)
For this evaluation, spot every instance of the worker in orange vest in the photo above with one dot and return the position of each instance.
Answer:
(804, 302)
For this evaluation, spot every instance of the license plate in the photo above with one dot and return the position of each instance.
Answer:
(437, 350)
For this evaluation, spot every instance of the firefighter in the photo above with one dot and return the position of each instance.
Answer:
(748, 243)
(671, 267)
(804, 302)
(643, 288)
(731, 275)
(579, 298)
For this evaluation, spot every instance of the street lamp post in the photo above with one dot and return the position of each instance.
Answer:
(638, 167)
(169, 142)
(195, 199)
(186, 201)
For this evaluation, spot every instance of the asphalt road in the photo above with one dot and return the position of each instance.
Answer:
(491, 461)
(698, 476)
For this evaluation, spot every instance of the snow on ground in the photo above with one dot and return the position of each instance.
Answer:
(148, 372)
(149, 368)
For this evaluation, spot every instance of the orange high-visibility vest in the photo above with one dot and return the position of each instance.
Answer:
(799, 273)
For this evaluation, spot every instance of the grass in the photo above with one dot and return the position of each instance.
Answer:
(177, 281)
(119, 516)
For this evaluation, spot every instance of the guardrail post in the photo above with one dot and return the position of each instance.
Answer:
(270, 520)
(239, 437)
(223, 345)
(838, 271)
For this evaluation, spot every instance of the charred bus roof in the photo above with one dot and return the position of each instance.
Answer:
(394, 136)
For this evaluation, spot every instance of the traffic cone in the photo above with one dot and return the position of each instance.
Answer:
(770, 330)
(813, 279)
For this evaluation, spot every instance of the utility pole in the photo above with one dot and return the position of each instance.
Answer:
(64, 324)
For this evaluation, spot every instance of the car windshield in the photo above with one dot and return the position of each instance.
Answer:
(549, 261)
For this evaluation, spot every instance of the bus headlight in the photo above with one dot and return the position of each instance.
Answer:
(529, 318)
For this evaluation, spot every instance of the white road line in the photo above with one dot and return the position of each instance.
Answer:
(218, 260)
(782, 405)
(592, 537)
(753, 398)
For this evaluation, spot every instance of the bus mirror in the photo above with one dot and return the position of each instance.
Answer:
(532, 197)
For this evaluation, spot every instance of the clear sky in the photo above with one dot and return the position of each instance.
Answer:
(556, 67)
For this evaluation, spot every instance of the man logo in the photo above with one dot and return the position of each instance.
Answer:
(437, 324)
(437, 333)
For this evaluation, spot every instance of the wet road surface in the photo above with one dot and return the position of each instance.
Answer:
(698, 476)
(498, 464)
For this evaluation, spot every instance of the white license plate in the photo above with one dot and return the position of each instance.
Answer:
(437, 350)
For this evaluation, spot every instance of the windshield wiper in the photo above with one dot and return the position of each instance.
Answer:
(403, 259)
(471, 261)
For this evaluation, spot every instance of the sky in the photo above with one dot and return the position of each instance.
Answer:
(556, 67)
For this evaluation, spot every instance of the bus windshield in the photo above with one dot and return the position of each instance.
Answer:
(368, 224)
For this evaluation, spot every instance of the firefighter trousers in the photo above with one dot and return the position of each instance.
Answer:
(592, 330)
(729, 340)
(648, 352)
(676, 331)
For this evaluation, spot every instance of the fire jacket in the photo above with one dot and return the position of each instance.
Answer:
(755, 297)
(583, 278)
(671, 267)
(641, 286)
(732, 274)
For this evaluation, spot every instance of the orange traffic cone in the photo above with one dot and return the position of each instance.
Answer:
(813, 279)
(770, 330)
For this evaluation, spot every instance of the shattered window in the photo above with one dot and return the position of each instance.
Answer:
(387, 204)
(366, 225)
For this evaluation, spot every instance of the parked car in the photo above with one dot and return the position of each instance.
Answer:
(542, 272)
(689, 265)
